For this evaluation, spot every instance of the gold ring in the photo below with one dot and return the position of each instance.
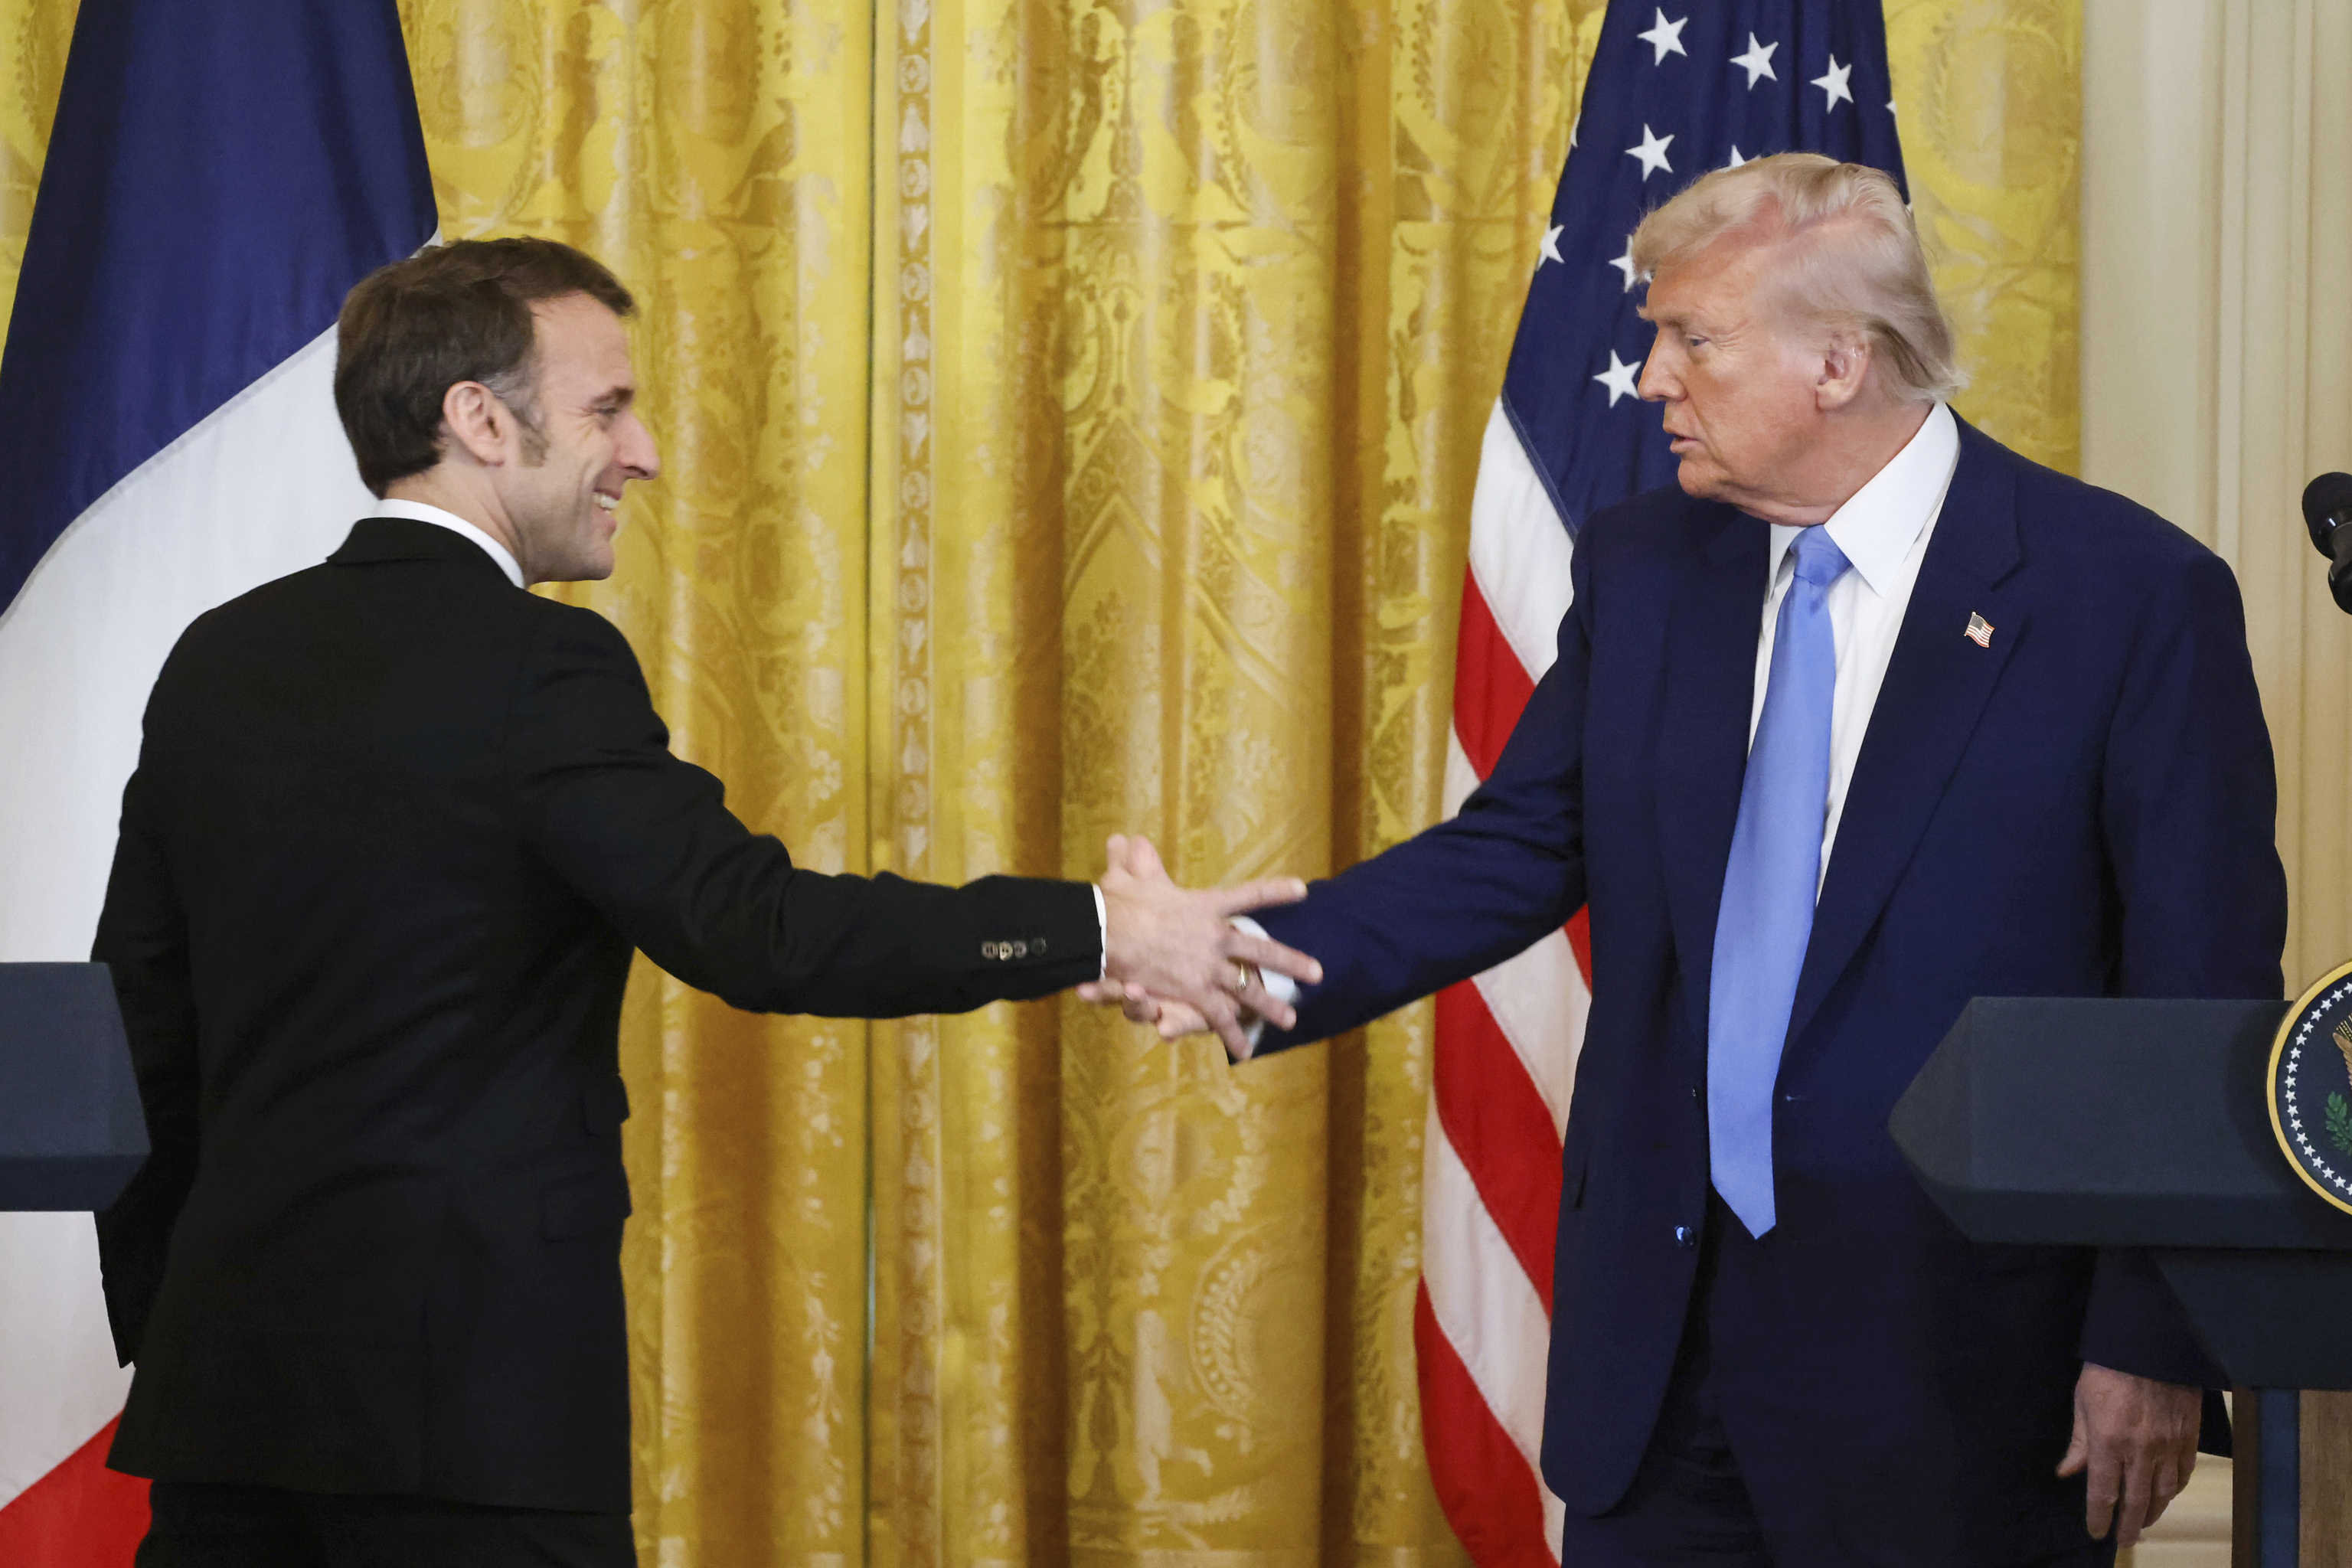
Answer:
(1240, 978)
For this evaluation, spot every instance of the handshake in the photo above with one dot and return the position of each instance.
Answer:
(1173, 956)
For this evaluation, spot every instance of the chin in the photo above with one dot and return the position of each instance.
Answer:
(590, 566)
(597, 555)
(1699, 483)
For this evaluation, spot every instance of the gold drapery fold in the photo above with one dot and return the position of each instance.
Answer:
(36, 35)
(1070, 411)
(1990, 106)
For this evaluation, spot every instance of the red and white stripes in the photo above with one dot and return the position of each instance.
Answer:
(78, 1514)
(1506, 1044)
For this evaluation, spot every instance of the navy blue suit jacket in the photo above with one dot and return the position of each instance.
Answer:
(2085, 808)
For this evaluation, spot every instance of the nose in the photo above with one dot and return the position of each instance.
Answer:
(635, 448)
(1659, 384)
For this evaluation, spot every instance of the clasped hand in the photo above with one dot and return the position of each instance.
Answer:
(1175, 949)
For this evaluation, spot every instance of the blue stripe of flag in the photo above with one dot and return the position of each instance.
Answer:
(217, 178)
(1666, 100)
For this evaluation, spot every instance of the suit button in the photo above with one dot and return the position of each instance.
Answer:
(1038, 947)
(1685, 1237)
(1694, 1091)
(988, 950)
(1020, 950)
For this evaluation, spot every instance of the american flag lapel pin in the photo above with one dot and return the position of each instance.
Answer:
(1979, 630)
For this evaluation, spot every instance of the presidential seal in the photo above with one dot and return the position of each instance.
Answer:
(2310, 1087)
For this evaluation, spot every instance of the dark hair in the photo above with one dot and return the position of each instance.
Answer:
(461, 311)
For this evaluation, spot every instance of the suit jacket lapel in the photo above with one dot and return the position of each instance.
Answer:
(1936, 689)
(1710, 691)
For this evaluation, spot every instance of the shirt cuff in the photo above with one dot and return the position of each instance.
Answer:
(1281, 987)
(1102, 930)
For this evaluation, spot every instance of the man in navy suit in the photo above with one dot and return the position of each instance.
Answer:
(1868, 717)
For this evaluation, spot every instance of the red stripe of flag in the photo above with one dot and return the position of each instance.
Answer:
(1491, 687)
(1579, 941)
(1483, 1483)
(1501, 1129)
(80, 1515)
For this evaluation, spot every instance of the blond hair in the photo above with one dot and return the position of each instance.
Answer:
(1854, 258)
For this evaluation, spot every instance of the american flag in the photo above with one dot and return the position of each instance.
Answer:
(1674, 91)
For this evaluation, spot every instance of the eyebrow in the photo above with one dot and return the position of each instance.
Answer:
(1679, 320)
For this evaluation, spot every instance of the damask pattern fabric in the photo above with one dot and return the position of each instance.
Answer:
(1070, 411)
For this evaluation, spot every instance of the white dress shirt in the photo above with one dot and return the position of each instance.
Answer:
(1882, 529)
(418, 512)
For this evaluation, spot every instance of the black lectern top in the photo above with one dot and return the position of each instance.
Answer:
(71, 1131)
(2062, 1122)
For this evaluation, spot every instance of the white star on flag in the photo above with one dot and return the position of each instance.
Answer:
(1551, 246)
(1666, 37)
(1737, 157)
(1758, 61)
(1834, 84)
(1652, 152)
(1619, 378)
(1625, 264)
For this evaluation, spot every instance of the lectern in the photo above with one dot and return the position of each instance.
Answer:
(71, 1131)
(2148, 1124)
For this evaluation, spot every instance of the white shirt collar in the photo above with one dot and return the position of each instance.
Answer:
(418, 512)
(1880, 523)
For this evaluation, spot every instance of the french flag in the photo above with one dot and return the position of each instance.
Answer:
(218, 176)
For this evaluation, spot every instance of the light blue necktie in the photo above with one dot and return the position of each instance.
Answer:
(1769, 885)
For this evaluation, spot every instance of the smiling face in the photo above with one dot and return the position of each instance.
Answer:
(562, 502)
(1743, 388)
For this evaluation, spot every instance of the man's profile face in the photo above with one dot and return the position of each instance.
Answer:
(564, 507)
(1739, 389)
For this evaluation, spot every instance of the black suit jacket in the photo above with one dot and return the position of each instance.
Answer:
(394, 831)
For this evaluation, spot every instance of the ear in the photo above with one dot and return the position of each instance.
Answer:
(1845, 372)
(477, 424)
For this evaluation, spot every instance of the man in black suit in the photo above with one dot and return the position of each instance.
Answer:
(395, 829)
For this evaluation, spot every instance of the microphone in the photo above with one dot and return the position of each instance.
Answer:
(2327, 512)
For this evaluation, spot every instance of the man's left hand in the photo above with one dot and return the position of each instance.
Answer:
(2138, 1439)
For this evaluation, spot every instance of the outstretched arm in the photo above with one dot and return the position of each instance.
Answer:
(647, 839)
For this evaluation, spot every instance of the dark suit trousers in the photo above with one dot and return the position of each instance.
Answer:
(203, 1526)
(1690, 1502)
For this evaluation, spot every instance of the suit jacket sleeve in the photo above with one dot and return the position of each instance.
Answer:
(142, 937)
(1462, 896)
(649, 840)
(2190, 803)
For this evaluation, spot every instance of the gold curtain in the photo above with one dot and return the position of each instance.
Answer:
(1070, 411)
